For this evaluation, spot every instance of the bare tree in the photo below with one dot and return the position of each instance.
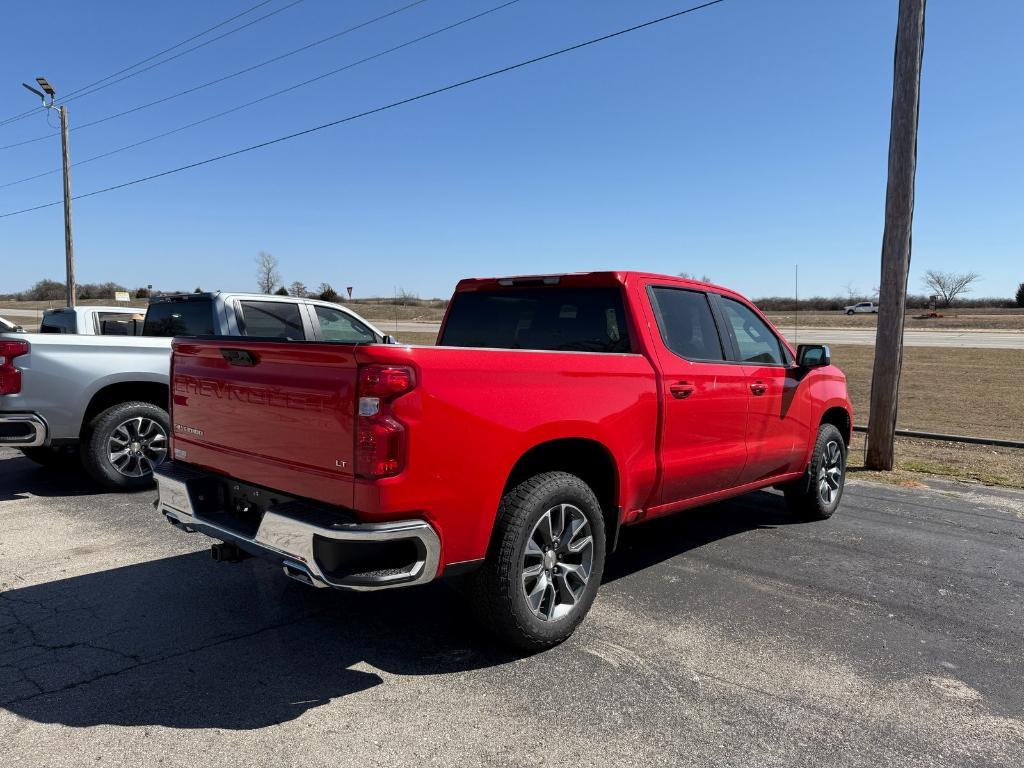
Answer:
(851, 290)
(948, 285)
(691, 276)
(298, 289)
(267, 274)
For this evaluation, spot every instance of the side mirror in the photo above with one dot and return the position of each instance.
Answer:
(389, 339)
(813, 355)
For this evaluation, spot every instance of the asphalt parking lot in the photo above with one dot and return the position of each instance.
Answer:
(890, 635)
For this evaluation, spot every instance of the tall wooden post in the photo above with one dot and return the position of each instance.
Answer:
(69, 247)
(896, 238)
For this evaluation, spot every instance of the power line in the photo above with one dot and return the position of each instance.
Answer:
(376, 110)
(178, 55)
(232, 75)
(144, 61)
(280, 92)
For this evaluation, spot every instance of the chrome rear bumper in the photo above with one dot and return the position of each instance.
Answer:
(27, 430)
(296, 535)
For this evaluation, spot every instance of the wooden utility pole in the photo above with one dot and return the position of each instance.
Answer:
(69, 247)
(896, 238)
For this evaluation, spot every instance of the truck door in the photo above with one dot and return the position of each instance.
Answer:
(704, 396)
(777, 415)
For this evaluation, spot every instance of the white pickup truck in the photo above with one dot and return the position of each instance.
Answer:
(102, 400)
(94, 321)
(863, 307)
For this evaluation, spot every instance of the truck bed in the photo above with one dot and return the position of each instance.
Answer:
(282, 415)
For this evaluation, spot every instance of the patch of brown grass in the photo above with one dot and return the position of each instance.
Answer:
(957, 391)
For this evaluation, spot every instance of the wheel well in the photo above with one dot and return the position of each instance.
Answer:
(589, 460)
(123, 392)
(840, 418)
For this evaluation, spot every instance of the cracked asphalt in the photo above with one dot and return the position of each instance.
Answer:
(890, 635)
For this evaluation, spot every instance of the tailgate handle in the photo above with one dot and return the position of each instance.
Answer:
(239, 356)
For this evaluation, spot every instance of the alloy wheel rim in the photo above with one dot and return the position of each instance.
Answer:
(830, 474)
(557, 563)
(136, 446)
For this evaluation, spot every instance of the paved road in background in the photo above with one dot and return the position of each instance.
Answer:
(912, 337)
(889, 635)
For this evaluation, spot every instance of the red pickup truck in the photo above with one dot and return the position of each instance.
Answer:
(553, 411)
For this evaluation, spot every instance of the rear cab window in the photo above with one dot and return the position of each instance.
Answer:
(188, 317)
(59, 322)
(555, 318)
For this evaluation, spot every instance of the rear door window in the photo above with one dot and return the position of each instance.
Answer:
(686, 323)
(272, 320)
(193, 317)
(119, 324)
(339, 326)
(754, 339)
(556, 318)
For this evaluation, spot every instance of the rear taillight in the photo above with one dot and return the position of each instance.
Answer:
(10, 377)
(380, 438)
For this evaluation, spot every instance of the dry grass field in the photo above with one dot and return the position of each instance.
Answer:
(959, 391)
(954, 391)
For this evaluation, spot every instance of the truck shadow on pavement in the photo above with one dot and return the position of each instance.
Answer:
(645, 545)
(21, 476)
(185, 642)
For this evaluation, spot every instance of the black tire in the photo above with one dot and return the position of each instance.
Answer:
(96, 442)
(849, 311)
(53, 457)
(806, 497)
(498, 588)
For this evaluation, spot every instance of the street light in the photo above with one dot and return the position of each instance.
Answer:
(69, 250)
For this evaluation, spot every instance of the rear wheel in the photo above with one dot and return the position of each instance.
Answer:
(545, 562)
(816, 495)
(124, 443)
(55, 457)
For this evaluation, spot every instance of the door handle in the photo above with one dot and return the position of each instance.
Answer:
(681, 390)
(239, 356)
(758, 388)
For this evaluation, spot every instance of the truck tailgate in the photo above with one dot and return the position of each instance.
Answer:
(274, 414)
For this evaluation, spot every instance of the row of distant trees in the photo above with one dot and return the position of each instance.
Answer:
(51, 290)
(948, 288)
(269, 280)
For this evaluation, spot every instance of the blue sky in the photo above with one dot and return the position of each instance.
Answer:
(734, 142)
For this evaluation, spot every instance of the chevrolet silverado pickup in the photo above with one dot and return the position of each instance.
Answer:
(76, 397)
(554, 411)
(93, 321)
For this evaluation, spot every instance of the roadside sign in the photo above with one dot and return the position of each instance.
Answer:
(349, 289)
(121, 296)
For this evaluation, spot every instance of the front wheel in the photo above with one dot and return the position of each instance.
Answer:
(544, 564)
(849, 311)
(124, 443)
(816, 495)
